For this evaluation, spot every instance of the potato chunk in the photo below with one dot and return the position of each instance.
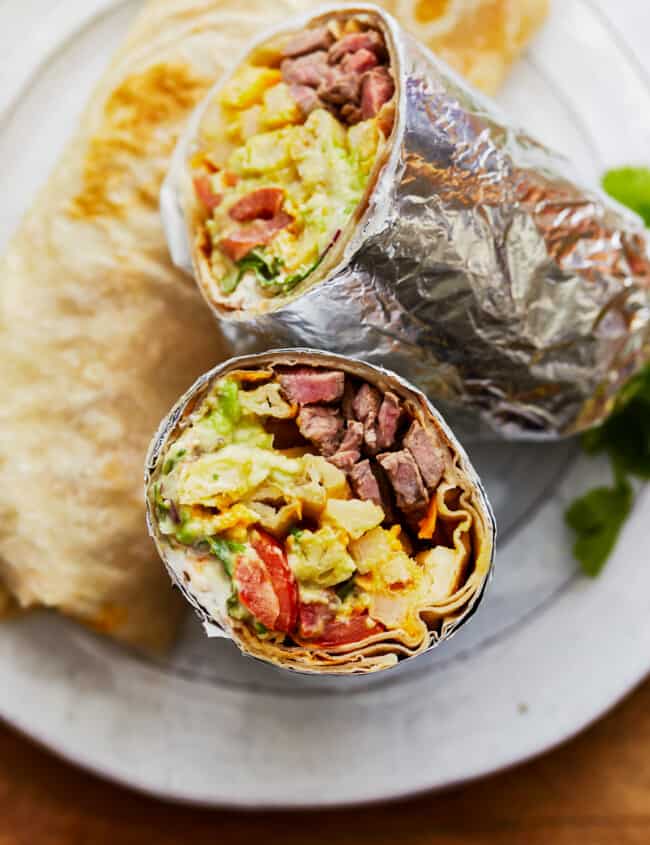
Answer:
(354, 515)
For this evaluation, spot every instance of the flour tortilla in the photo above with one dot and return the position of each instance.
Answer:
(98, 333)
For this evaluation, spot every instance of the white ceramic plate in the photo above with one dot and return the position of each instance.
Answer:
(548, 652)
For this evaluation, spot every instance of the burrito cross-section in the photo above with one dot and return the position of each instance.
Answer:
(318, 511)
(285, 157)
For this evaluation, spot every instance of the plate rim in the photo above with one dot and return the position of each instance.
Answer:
(68, 24)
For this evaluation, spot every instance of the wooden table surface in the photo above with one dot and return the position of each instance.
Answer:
(593, 791)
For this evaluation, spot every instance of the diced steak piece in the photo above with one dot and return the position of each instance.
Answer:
(355, 41)
(359, 62)
(388, 420)
(306, 386)
(240, 242)
(339, 87)
(306, 70)
(376, 90)
(308, 41)
(351, 114)
(386, 492)
(366, 403)
(405, 479)
(322, 426)
(428, 455)
(364, 483)
(353, 435)
(370, 438)
(348, 452)
(307, 99)
(264, 203)
(348, 398)
(366, 406)
(369, 483)
(345, 459)
(203, 189)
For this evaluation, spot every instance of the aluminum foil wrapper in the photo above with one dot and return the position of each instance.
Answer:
(479, 269)
(373, 374)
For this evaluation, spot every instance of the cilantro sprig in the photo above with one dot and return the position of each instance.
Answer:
(631, 187)
(597, 519)
(625, 435)
(598, 516)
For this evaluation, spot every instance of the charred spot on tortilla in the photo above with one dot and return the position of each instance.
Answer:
(133, 116)
(319, 515)
(285, 156)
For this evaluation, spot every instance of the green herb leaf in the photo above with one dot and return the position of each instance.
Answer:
(597, 518)
(343, 590)
(235, 608)
(265, 269)
(631, 187)
(171, 461)
(625, 435)
(294, 279)
(260, 628)
(226, 551)
(161, 504)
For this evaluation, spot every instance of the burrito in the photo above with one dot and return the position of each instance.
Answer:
(319, 512)
(285, 158)
(342, 189)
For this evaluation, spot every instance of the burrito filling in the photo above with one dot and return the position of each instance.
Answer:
(286, 154)
(314, 509)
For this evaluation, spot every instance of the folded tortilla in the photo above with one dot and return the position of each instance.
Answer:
(95, 343)
(99, 332)
(319, 512)
(478, 38)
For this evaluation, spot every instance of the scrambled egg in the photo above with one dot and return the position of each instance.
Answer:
(322, 166)
(320, 557)
(224, 476)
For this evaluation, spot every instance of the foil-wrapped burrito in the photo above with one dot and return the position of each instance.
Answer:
(343, 189)
(318, 511)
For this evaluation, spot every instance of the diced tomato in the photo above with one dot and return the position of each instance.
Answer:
(282, 578)
(240, 242)
(264, 203)
(230, 179)
(353, 630)
(318, 625)
(256, 591)
(314, 616)
(204, 192)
